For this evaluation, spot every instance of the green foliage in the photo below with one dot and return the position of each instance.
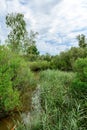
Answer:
(63, 95)
(62, 61)
(65, 60)
(31, 57)
(46, 57)
(24, 77)
(14, 75)
(80, 81)
(9, 97)
(57, 110)
(79, 88)
(39, 65)
(82, 41)
(18, 36)
(76, 53)
(18, 39)
(32, 50)
(81, 68)
(61, 110)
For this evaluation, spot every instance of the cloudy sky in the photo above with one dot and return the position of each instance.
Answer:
(58, 22)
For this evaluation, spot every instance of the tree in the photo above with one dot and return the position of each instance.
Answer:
(18, 38)
(18, 35)
(32, 49)
(82, 41)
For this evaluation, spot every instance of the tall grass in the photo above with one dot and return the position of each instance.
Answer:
(61, 109)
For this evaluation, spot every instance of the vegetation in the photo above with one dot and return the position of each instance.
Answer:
(62, 79)
(62, 105)
(18, 39)
(15, 77)
(39, 65)
(18, 36)
(61, 110)
(9, 96)
(82, 41)
(80, 81)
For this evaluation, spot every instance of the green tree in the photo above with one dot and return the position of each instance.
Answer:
(82, 41)
(18, 36)
(32, 49)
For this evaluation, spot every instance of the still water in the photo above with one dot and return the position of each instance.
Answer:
(8, 122)
(30, 100)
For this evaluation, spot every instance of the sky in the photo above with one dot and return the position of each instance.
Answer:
(58, 22)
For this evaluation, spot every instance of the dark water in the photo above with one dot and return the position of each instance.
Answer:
(9, 122)
(30, 99)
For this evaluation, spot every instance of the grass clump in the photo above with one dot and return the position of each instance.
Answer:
(61, 111)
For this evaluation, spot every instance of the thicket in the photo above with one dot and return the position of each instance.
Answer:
(65, 60)
(15, 78)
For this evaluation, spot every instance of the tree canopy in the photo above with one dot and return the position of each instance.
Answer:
(18, 39)
(82, 41)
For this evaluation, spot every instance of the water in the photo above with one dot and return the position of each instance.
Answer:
(31, 101)
(8, 122)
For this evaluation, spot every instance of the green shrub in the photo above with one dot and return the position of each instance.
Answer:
(9, 96)
(24, 77)
(80, 82)
(79, 89)
(15, 79)
(39, 65)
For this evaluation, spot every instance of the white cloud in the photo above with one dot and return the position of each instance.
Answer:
(59, 21)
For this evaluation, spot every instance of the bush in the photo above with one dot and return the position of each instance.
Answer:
(23, 77)
(9, 96)
(79, 88)
(39, 65)
(65, 60)
(80, 81)
(15, 79)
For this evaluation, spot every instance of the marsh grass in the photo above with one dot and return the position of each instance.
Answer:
(61, 109)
